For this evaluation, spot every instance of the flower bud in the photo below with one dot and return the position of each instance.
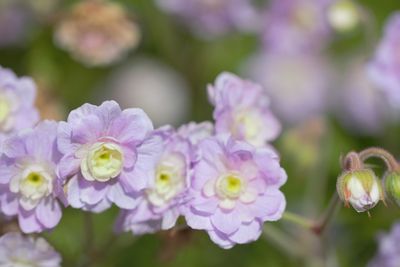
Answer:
(343, 15)
(360, 188)
(391, 185)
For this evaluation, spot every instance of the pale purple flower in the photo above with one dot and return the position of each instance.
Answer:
(160, 205)
(108, 156)
(17, 250)
(242, 109)
(384, 68)
(194, 133)
(17, 96)
(296, 25)
(359, 104)
(28, 182)
(234, 190)
(296, 83)
(210, 18)
(388, 254)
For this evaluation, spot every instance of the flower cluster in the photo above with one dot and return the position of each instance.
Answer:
(221, 178)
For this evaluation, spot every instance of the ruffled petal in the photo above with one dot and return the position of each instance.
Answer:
(226, 222)
(247, 233)
(48, 212)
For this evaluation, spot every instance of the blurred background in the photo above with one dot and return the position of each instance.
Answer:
(311, 57)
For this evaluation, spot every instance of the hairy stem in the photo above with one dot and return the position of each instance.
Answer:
(377, 152)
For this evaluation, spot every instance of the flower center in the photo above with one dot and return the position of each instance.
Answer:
(4, 109)
(34, 179)
(103, 162)
(230, 186)
(250, 123)
(34, 183)
(169, 180)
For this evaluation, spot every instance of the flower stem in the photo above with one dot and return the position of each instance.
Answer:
(328, 215)
(319, 227)
(377, 152)
(297, 219)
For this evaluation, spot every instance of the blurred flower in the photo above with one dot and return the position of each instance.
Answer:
(358, 103)
(296, 25)
(160, 205)
(17, 96)
(17, 250)
(344, 15)
(108, 156)
(384, 68)
(360, 188)
(156, 88)
(242, 109)
(234, 190)
(388, 254)
(97, 32)
(210, 18)
(28, 184)
(15, 21)
(296, 83)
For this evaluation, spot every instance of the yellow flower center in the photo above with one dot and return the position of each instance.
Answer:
(230, 186)
(34, 179)
(103, 162)
(169, 180)
(163, 179)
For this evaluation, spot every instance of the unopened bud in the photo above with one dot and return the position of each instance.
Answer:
(343, 15)
(360, 188)
(392, 186)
